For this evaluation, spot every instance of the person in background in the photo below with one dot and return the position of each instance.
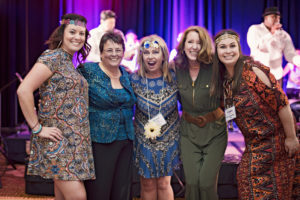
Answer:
(202, 128)
(268, 42)
(156, 146)
(107, 23)
(256, 102)
(60, 141)
(173, 53)
(293, 83)
(111, 100)
(131, 45)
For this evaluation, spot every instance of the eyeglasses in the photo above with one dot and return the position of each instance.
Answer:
(111, 51)
(148, 44)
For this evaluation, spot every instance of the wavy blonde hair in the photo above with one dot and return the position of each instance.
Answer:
(206, 52)
(163, 47)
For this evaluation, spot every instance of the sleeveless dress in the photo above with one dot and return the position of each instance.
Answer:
(63, 104)
(156, 157)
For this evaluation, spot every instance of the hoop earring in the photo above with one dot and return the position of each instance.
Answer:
(59, 44)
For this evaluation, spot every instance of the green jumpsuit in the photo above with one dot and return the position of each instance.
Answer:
(202, 149)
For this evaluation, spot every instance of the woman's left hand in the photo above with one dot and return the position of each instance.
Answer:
(292, 146)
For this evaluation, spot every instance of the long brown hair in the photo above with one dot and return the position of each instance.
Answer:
(206, 51)
(165, 52)
(56, 38)
(219, 69)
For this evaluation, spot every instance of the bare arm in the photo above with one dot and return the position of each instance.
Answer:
(291, 141)
(34, 79)
(286, 117)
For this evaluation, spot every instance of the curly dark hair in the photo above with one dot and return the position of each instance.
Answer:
(57, 35)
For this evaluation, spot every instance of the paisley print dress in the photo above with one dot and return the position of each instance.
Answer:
(63, 104)
(156, 157)
(265, 171)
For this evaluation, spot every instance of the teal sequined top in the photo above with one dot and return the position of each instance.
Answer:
(107, 114)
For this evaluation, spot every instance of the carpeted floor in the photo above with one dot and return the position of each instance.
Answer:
(13, 183)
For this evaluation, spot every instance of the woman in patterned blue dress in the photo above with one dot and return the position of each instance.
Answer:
(60, 142)
(156, 123)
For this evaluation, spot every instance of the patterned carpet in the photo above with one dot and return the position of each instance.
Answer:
(13, 183)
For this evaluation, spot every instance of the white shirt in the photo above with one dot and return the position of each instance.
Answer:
(294, 77)
(268, 48)
(94, 40)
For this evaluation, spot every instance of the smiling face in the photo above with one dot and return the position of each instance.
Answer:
(73, 39)
(112, 54)
(228, 51)
(192, 45)
(153, 58)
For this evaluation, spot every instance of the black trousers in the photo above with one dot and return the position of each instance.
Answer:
(113, 165)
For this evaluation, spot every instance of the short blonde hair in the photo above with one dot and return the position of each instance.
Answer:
(163, 47)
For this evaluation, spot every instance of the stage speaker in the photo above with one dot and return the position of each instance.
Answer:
(227, 184)
(15, 147)
(37, 185)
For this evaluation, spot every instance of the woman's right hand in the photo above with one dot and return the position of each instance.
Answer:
(292, 146)
(51, 133)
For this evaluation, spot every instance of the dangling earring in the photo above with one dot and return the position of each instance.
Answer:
(59, 44)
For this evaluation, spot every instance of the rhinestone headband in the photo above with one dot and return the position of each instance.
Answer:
(148, 44)
(71, 21)
(225, 36)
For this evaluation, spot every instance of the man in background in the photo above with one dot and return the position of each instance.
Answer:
(268, 42)
(107, 23)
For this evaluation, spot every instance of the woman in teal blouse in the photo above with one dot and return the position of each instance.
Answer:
(111, 100)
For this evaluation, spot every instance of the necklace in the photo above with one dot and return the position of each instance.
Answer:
(162, 90)
(109, 73)
(153, 126)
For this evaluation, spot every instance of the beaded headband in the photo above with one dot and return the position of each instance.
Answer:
(225, 36)
(148, 44)
(71, 21)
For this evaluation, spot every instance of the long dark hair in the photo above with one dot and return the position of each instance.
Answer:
(56, 38)
(219, 69)
(205, 54)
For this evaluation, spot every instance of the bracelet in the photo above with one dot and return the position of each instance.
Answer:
(38, 131)
(35, 124)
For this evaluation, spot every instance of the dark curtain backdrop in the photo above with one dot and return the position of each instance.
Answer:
(26, 24)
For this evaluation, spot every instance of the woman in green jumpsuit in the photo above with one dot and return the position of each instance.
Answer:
(203, 128)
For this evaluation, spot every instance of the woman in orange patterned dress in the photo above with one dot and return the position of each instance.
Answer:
(255, 100)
